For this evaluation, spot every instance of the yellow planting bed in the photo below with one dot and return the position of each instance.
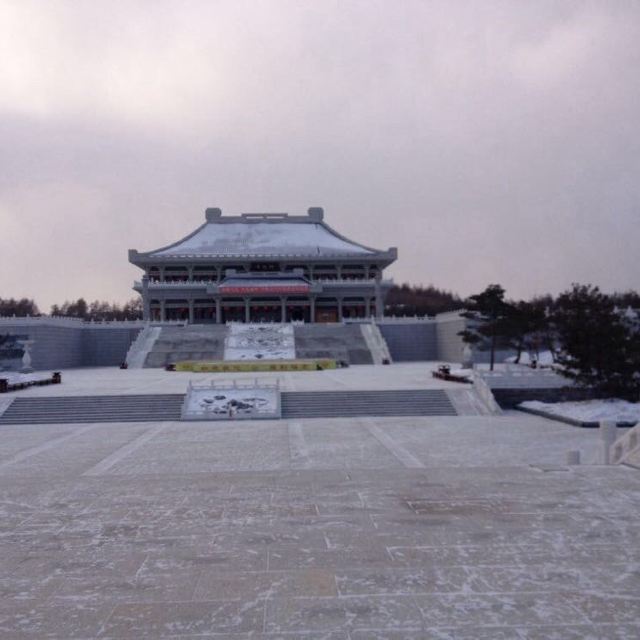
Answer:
(226, 366)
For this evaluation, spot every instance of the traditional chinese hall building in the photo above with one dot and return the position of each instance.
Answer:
(263, 267)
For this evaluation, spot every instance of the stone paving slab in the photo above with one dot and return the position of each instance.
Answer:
(113, 381)
(315, 529)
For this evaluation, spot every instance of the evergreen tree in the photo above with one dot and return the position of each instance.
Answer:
(525, 327)
(410, 300)
(599, 343)
(489, 314)
(20, 308)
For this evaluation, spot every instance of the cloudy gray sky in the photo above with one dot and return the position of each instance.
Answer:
(489, 141)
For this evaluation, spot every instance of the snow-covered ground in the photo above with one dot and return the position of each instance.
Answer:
(544, 358)
(260, 342)
(256, 402)
(462, 373)
(16, 378)
(590, 410)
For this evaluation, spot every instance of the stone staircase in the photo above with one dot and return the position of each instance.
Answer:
(344, 404)
(141, 346)
(191, 342)
(355, 343)
(79, 409)
(343, 342)
(161, 408)
(376, 343)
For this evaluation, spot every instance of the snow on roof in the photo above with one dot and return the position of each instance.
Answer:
(263, 239)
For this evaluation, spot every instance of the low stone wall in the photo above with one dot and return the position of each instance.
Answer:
(63, 343)
(510, 398)
(449, 343)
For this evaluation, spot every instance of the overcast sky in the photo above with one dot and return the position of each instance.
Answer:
(489, 141)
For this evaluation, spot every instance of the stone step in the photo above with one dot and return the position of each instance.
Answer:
(158, 408)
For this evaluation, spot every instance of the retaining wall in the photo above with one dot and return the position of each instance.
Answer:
(410, 342)
(509, 398)
(63, 343)
(450, 344)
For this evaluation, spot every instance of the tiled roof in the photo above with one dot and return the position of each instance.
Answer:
(263, 239)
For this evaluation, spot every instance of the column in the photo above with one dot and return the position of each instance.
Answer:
(339, 309)
(163, 316)
(247, 310)
(146, 302)
(312, 309)
(191, 312)
(190, 272)
(379, 307)
(339, 271)
(283, 309)
(218, 311)
(161, 274)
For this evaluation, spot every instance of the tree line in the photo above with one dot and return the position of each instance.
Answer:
(593, 337)
(96, 310)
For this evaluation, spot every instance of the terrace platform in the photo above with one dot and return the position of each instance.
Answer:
(336, 529)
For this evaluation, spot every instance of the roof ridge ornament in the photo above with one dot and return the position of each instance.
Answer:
(212, 213)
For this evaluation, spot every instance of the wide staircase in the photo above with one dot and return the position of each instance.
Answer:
(191, 342)
(345, 404)
(160, 346)
(343, 342)
(79, 409)
(162, 408)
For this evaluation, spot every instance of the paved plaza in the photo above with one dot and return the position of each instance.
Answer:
(342, 529)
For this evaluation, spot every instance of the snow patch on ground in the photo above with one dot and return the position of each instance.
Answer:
(544, 358)
(19, 378)
(260, 342)
(613, 410)
(462, 373)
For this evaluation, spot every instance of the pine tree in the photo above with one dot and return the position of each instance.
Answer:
(599, 343)
(488, 312)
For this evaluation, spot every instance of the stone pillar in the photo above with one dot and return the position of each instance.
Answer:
(312, 309)
(283, 309)
(339, 309)
(146, 301)
(247, 310)
(218, 311)
(339, 271)
(191, 312)
(190, 274)
(379, 306)
(163, 316)
(161, 274)
(608, 433)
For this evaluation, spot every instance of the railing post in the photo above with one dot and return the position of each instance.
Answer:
(608, 435)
